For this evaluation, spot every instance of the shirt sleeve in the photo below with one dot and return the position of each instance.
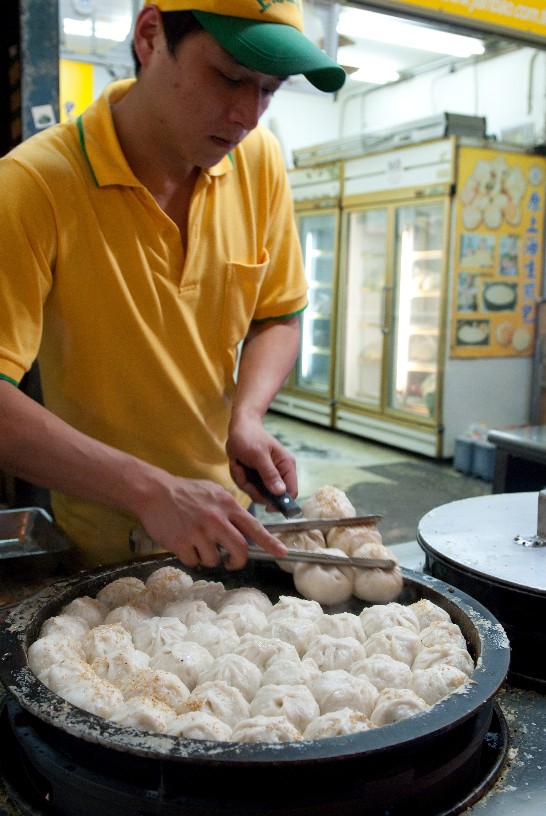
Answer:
(27, 254)
(284, 289)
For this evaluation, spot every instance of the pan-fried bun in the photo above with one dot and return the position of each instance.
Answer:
(350, 539)
(309, 540)
(328, 502)
(326, 584)
(377, 586)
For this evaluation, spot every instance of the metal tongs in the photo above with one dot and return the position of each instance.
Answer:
(141, 544)
(313, 557)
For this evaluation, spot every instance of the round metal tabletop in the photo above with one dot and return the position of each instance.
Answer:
(484, 535)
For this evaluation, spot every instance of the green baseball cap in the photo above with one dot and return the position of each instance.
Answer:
(264, 35)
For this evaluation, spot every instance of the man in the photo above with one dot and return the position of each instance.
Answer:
(142, 247)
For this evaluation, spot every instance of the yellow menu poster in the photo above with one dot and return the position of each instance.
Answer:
(497, 276)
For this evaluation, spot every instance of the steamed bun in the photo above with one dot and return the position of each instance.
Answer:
(327, 584)
(328, 502)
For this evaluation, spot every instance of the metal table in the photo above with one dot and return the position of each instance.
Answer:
(477, 541)
(520, 458)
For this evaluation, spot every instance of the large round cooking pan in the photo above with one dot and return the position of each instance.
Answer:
(424, 761)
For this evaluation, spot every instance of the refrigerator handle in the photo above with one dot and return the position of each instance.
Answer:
(385, 304)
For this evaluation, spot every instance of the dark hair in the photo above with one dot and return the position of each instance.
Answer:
(176, 25)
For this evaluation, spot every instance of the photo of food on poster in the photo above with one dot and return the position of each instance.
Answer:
(498, 253)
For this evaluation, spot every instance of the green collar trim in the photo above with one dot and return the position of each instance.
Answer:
(79, 123)
(232, 160)
(280, 317)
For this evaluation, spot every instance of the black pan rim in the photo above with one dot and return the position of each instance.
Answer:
(32, 695)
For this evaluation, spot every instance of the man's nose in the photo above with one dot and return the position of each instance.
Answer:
(249, 106)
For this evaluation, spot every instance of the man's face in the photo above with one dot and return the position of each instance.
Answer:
(201, 103)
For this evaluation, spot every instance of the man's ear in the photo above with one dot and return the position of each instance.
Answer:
(148, 27)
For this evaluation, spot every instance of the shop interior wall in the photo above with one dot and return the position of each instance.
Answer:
(509, 90)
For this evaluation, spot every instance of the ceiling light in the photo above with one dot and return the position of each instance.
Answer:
(369, 25)
(368, 69)
(373, 77)
(77, 28)
(102, 29)
(116, 31)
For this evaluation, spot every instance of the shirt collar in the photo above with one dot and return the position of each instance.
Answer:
(101, 147)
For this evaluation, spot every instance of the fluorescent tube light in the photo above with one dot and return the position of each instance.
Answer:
(115, 31)
(102, 30)
(369, 69)
(369, 25)
(77, 28)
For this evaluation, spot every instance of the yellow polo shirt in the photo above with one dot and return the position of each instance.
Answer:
(137, 341)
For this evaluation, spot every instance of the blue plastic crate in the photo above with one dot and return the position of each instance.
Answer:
(483, 461)
(464, 455)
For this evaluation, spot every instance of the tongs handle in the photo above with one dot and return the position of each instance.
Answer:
(141, 544)
(313, 557)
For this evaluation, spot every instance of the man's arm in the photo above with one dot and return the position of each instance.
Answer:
(267, 357)
(187, 517)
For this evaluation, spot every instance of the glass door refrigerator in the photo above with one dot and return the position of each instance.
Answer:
(308, 391)
(393, 293)
(441, 262)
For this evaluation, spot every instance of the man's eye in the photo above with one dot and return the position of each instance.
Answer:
(234, 81)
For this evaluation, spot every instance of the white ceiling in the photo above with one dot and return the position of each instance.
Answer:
(320, 18)
(404, 59)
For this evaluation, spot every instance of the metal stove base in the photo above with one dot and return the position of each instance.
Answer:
(25, 786)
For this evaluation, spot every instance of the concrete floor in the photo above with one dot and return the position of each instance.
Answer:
(329, 457)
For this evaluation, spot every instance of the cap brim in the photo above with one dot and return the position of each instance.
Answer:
(273, 48)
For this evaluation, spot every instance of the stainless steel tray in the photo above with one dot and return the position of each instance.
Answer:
(29, 533)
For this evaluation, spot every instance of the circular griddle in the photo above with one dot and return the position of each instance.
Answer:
(483, 545)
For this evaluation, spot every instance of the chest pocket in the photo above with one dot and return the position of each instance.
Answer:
(242, 291)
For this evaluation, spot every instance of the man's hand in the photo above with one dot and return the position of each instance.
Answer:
(194, 518)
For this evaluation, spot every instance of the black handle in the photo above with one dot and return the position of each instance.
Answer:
(284, 503)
